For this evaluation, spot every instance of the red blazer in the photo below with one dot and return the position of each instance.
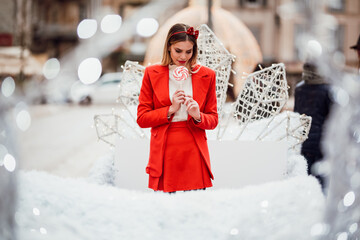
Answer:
(154, 103)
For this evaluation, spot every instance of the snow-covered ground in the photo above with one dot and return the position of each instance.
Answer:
(52, 207)
(71, 197)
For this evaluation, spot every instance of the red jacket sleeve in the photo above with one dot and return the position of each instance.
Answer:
(147, 115)
(209, 116)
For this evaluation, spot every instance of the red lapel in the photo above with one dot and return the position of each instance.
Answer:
(160, 81)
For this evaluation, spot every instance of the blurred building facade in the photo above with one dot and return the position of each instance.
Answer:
(277, 32)
(278, 28)
(48, 27)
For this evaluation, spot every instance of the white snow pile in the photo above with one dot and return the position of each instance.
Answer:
(103, 171)
(296, 165)
(56, 208)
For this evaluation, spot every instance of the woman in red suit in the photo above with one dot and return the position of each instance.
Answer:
(178, 114)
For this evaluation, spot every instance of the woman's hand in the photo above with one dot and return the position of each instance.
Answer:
(177, 99)
(192, 107)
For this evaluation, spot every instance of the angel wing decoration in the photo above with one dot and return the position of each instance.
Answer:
(214, 55)
(264, 95)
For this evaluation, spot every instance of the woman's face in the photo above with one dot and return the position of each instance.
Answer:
(181, 52)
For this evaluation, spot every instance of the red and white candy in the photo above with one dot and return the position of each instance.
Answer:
(181, 73)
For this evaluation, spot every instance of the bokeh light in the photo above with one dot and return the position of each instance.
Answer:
(319, 229)
(342, 236)
(234, 231)
(9, 162)
(147, 27)
(349, 199)
(341, 96)
(264, 204)
(8, 86)
(51, 68)
(36, 211)
(43, 230)
(87, 28)
(89, 70)
(314, 49)
(23, 120)
(353, 228)
(111, 23)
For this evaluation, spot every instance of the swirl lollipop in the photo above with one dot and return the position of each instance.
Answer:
(181, 74)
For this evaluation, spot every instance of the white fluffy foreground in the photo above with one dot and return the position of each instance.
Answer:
(52, 207)
(56, 208)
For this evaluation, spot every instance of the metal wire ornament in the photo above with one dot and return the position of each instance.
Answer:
(263, 96)
(107, 128)
(214, 55)
(297, 127)
(123, 125)
(130, 84)
(111, 126)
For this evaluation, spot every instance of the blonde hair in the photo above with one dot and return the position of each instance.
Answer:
(179, 37)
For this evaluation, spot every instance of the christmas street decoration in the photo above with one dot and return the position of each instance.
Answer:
(130, 83)
(264, 95)
(262, 98)
(108, 125)
(296, 127)
(214, 55)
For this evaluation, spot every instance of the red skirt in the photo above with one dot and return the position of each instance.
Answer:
(184, 167)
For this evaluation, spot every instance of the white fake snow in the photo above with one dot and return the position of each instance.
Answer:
(76, 209)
